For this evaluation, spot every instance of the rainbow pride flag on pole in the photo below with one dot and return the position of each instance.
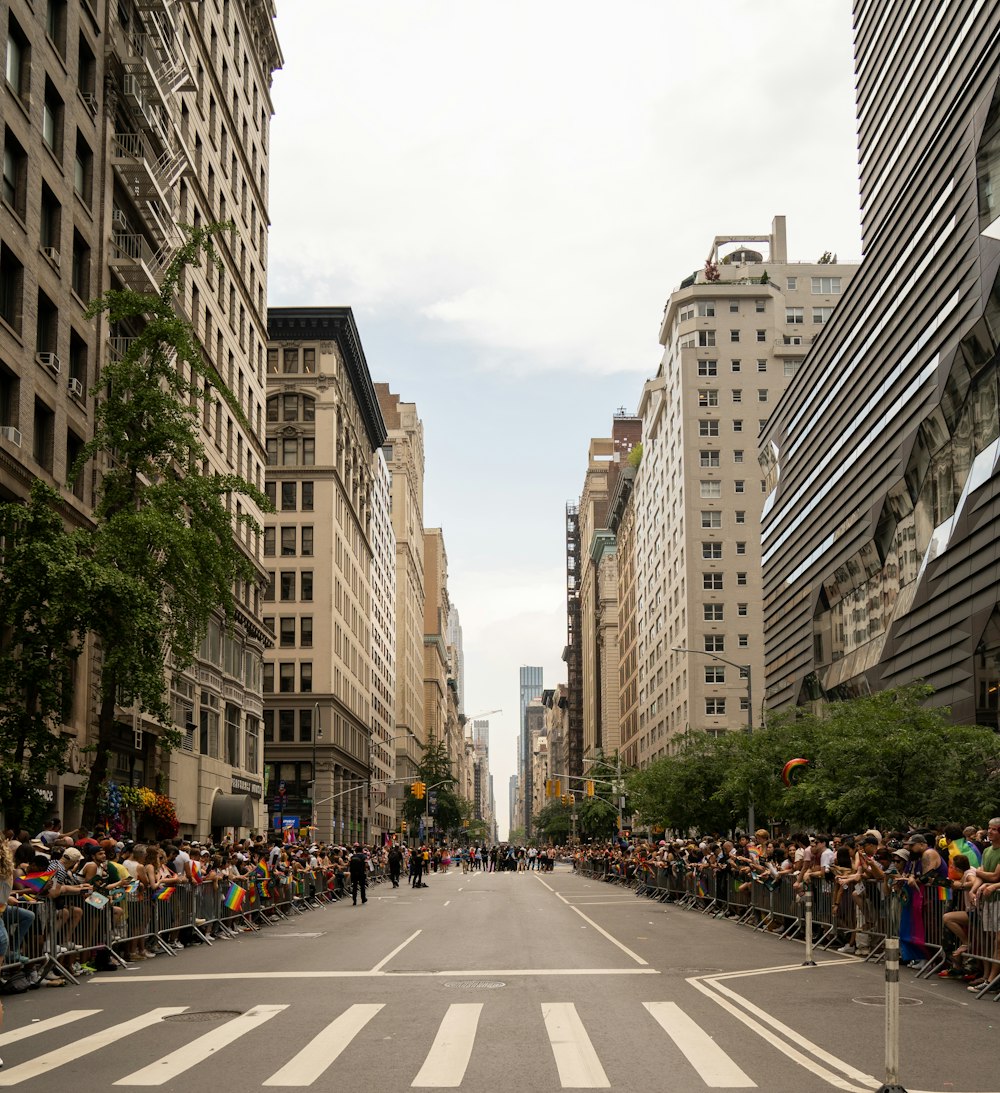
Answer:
(197, 873)
(262, 871)
(36, 882)
(235, 897)
(165, 893)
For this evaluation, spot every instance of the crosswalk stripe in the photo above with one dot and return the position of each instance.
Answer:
(576, 1059)
(444, 1067)
(78, 1048)
(714, 1066)
(47, 1025)
(321, 1051)
(197, 1051)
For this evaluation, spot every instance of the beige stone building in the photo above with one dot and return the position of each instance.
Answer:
(404, 454)
(734, 333)
(621, 520)
(436, 666)
(324, 432)
(123, 119)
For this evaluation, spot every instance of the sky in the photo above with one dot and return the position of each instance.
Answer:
(505, 195)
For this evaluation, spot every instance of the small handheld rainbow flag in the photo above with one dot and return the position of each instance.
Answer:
(197, 873)
(36, 882)
(165, 893)
(235, 897)
(262, 870)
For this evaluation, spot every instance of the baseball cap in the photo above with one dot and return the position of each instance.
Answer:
(71, 854)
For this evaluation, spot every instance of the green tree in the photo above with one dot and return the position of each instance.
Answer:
(164, 531)
(434, 770)
(553, 822)
(46, 584)
(597, 818)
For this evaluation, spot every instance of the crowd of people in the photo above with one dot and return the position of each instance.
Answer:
(953, 870)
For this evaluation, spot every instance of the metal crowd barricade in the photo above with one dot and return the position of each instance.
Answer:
(984, 935)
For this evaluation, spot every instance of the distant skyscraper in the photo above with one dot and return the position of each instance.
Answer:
(512, 796)
(531, 687)
(454, 639)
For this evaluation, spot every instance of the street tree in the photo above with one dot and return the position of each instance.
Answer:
(434, 770)
(553, 821)
(47, 582)
(170, 546)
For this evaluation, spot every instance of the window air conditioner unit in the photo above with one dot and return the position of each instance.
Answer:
(75, 387)
(8, 432)
(52, 255)
(50, 361)
(119, 219)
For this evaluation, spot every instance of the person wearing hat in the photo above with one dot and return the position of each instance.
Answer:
(358, 868)
(924, 864)
(65, 883)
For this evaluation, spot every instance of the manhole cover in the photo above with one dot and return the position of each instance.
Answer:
(204, 1015)
(475, 984)
(879, 1000)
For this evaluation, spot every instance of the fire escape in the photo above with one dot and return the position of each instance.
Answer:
(573, 653)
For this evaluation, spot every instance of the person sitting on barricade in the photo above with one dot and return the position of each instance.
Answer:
(985, 898)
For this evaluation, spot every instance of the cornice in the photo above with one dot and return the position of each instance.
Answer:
(317, 324)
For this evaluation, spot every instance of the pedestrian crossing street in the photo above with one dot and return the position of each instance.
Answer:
(29, 1053)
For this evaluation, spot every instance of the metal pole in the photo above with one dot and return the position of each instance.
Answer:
(751, 817)
(891, 1084)
(314, 834)
(807, 896)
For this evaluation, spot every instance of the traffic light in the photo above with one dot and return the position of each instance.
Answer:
(418, 789)
(548, 787)
(402, 826)
(558, 788)
(564, 798)
(572, 798)
(590, 787)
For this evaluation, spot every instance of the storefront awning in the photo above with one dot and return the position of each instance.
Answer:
(232, 810)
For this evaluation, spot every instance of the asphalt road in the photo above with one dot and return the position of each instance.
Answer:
(487, 982)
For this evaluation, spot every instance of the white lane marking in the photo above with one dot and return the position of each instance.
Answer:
(47, 1025)
(714, 1066)
(446, 902)
(790, 1034)
(576, 1059)
(197, 1051)
(78, 1048)
(451, 973)
(398, 949)
(776, 1042)
(600, 929)
(444, 1067)
(313, 1060)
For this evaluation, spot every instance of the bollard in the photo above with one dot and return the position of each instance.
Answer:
(808, 897)
(891, 1084)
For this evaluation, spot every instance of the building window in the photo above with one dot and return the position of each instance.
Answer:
(734, 307)
(268, 682)
(306, 677)
(734, 335)
(307, 542)
(55, 25)
(738, 425)
(271, 492)
(269, 591)
(289, 490)
(272, 362)
(208, 725)
(11, 287)
(761, 365)
(15, 173)
(712, 581)
(308, 451)
(52, 120)
(268, 542)
(711, 519)
(712, 612)
(272, 451)
(711, 550)
(740, 485)
(710, 488)
(306, 585)
(708, 398)
(822, 314)
(762, 335)
(288, 542)
(81, 266)
(288, 584)
(706, 338)
(737, 395)
(715, 643)
(708, 428)
(706, 308)
(736, 365)
(825, 286)
(286, 726)
(795, 315)
(269, 719)
(708, 368)
(18, 66)
(741, 578)
(286, 632)
(715, 673)
(741, 609)
(759, 305)
(762, 394)
(741, 516)
(737, 455)
(291, 361)
(83, 170)
(308, 360)
(761, 424)
(286, 678)
(305, 726)
(714, 707)
(708, 459)
(306, 632)
(791, 367)
(744, 643)
(791, 282)
(741, 548)
(307, 496)
(44, 435)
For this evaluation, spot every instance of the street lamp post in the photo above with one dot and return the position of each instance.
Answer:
(751, 819)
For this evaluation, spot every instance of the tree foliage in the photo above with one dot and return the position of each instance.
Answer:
(888, 759)
(434, 770)
(553, 822)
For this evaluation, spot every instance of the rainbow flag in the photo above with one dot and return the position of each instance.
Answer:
(235, 897)
(262, 870)
(263, 888)
(36, 882)
(197, 873)
(165, 893)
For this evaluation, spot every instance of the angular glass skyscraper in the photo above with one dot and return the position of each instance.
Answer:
(531, 687)
(881, 524)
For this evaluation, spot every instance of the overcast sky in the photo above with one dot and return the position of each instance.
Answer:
(506, 194)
